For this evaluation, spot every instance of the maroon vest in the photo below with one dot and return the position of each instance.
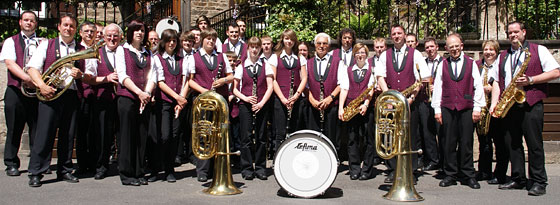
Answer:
(403, 77)
(19, 45)
(105, 91)
(53, 54)
(284, 76)
(329, 84)
(247, 82)
(241, 56)
(136, 71)
(173, 78)
(204, 75)
(356, 86)
(457, 93)
(533, 93)
(338, 53)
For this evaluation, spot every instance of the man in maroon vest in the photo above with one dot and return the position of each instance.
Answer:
(346, 40)
(525, 119)
(233, 43)
(457, 100)
(60, 113)
(400, 67)
(322, 80)
(103, 77)
(19, 109)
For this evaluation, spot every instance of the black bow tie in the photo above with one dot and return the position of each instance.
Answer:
(455, 60)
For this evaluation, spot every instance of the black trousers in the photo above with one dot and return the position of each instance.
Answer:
(524, 120)
(104, 124)
(253, 146)
(495, 135)
(358, 138)
(86, 136)
(163, 152)
(304, 109)
(427, 130)
(414, 138)
(133, 136)
(18, 110)
(457, 130)
(331, 124)
(280, 121)
(61, 113)
(184, 147)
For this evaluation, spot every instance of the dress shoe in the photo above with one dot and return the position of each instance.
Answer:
(430, 167)
(353, 176)
(389, 178)
(12, 171)
(261, 176)
(376, 161)
(493, 181)
(99, 175)
(248, 177)
(67, 177)
(202, 178)
(170, 178)
(363, 177)
(143, 181)
(537, 190)
(35, 181)
(511, 185)
(473, 183)
(131, 183)
(152, 178)
(448, 181)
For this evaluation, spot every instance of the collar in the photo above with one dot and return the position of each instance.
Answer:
(355, 67)
(131, 48)
(185, 53)
(264, 56)
(346, 51)
(71, 44)
(110, 51)
(283, 54)
(236, 45)
(457, 59)
(34, 35)
(434, 60)
(167, 56)
(402, 49)
(248, 62)
(203, 52)
(326, 57)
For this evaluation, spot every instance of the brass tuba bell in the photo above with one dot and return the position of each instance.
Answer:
(392, 138)
(210, 138)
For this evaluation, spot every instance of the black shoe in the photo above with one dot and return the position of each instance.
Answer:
(261, 176)
(376, 161)
(178, 162)
(12, 171)
(131, 183)
(170, 178)
(430, 167)
(363, 177)
(202, 178)
(35, 181)
(473, 183)
(511, 185)
(389, 178)
(353, 176)
(448, 181)
(493, 181)
(67, 177)
(249, 176)
(537, 190)
(99, 175)
(143, 181)
(48, 171)
(483, 176)
(152, 178)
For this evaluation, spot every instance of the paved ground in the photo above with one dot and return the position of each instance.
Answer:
(187, 190)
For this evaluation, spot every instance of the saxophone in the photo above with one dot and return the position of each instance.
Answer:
(353, 108)
(413, 87)
(512, 94)
(483, 125)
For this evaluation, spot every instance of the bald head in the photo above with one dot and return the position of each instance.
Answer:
(454, 45)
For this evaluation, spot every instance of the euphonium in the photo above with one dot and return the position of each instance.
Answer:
(483, 125)
(58, 74)
(512, 94)
(27, 53)
(210, 138)
(392, 138)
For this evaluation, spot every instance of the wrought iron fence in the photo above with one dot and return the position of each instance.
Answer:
(253, 15)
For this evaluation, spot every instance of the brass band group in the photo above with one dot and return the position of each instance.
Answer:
(139, 94)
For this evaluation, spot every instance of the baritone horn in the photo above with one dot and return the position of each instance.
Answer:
(210, 138)
(392, 139)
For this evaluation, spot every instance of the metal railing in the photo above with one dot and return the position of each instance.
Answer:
(253, 15)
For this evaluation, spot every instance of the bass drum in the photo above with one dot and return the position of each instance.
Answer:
(167, 23)
(306, 164)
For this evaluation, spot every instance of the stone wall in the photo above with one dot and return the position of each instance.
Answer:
(208, 8)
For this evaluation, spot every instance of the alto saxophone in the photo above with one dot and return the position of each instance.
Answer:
(353, 108)
(483, 125)
(512, 94)
(413, 87)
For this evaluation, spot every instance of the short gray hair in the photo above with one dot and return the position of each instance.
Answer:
(322, 34)
(113, 25)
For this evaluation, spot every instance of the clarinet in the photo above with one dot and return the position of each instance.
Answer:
(217, 77)
(321, 97)
(289, 117)
(254, 94)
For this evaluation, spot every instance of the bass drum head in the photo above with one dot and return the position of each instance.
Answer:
(167, 23)
(306, 164)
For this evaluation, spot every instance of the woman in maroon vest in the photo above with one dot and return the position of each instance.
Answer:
(353, 81)
(290, 82)
(171, 96)
(253, 85)
(134, 96)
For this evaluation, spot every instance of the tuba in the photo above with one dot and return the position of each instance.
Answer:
(392, 138)
(210, 138)
(512, 94)
(58, 74)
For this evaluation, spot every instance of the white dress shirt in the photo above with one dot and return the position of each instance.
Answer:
(290, 59)
(381, 66)
(116, 55)
(433, 64)
(139, 54)
(159, 67)
(272, 60)
(248, 63)
(344, 79)
(9, 48)
(478, 98)
(321, 64)
(346, 56)
(210, 59)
